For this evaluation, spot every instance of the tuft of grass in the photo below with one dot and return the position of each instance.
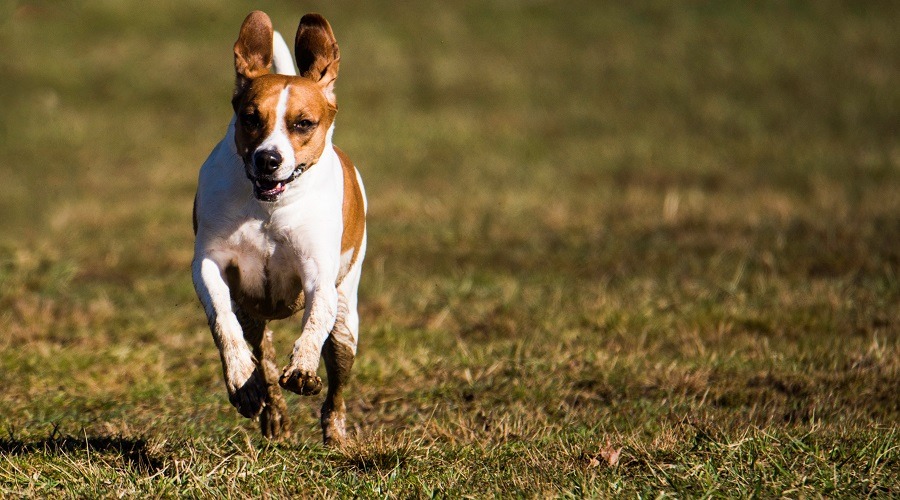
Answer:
(377, 454)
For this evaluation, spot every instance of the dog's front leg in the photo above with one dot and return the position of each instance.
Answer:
(243, 378)
(299, 375)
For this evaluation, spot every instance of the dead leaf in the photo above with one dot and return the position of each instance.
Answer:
(606, 455)
(610, 455)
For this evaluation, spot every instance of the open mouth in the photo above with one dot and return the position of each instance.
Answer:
(270, 189)
(266, 190)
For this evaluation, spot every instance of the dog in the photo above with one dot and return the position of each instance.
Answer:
(280, 226)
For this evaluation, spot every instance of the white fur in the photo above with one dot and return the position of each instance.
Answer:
(282, 62)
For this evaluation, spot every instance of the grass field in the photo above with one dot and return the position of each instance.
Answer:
(671, 232)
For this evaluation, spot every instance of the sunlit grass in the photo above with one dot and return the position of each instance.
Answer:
(666, 230)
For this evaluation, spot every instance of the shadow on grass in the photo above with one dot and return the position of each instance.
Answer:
(134, 452)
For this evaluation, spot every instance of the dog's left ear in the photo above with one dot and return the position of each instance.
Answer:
(318, 56)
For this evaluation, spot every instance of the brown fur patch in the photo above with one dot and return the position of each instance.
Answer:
(306, 102)
(354, 209)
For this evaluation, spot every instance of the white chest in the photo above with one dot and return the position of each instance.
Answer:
(263, 270)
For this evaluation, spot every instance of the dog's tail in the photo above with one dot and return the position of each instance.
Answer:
(282, 62)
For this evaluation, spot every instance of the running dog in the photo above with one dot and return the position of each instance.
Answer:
(280, 225)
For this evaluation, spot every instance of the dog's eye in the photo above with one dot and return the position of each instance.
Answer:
(250, 119)
(303, 125)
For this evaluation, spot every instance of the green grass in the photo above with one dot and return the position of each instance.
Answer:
(670, 230)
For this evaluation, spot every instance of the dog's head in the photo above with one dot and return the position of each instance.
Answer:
(283, 121)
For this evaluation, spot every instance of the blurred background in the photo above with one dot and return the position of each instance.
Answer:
(584, 216)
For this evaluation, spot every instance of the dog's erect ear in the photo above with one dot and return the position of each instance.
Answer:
(318, 56)
(253, 48)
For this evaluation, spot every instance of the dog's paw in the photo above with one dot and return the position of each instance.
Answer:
(302, 382)
(274, 422)
(334, 431)
(246, 389)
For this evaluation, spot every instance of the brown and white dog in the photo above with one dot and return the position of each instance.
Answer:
(280, 224)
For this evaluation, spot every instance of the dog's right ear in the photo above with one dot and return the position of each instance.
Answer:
(253, 49)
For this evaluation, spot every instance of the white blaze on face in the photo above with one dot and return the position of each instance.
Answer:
(278, 139)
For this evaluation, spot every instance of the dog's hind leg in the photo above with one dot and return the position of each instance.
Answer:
(339, 358)
(339, 352)
(273, 420)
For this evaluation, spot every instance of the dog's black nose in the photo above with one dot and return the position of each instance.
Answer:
(267, 161)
